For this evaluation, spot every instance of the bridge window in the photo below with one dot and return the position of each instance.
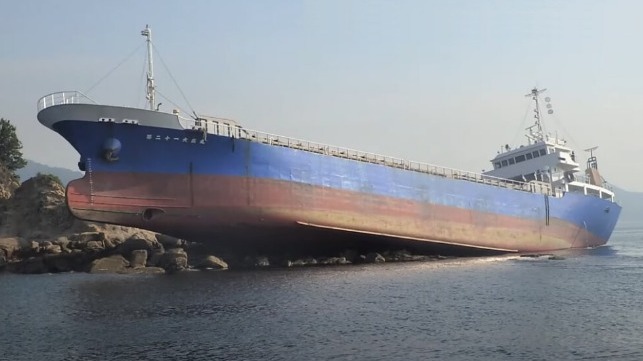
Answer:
(520, 158)
(504, 163)
(528, 155)
(511, 161)
(535, 154)
(543, 152)
(497, 165)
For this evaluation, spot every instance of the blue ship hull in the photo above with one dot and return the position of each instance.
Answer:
(235, 190)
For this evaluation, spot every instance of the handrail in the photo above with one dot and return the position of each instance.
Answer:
(223, 127)
(212, 126)
(63, 97)
(585, 179)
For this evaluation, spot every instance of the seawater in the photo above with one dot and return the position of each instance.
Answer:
(587, 306)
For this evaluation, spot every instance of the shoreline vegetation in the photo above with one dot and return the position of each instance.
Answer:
(38, 234)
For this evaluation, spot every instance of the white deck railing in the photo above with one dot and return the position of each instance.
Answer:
(64, 97)
(224, 127)
(219, 126)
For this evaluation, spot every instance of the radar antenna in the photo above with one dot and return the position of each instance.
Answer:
(539, 126)
(591, 161)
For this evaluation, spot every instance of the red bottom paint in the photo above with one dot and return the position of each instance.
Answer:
(265, 215)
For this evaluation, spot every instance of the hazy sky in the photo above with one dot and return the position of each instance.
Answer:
(436, 81)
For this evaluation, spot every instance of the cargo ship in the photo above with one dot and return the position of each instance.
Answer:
(211, 180)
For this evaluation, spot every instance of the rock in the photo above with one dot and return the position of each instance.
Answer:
(138, 258)
(11, 245)
(374, 258)
(33, 246)
(262, 261)
(136, 242)
(173, 260)
(144, 270)
(403, 256)
(155, 257)
(31, 265)
(86, 237)
(112, 264)
(212, 262)
(169, 241)
(334, 261)
(3, 259)
(295, 263)
(53, 249)
(94, 246)
(350, 255)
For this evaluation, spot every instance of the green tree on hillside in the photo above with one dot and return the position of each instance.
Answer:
(10, 147)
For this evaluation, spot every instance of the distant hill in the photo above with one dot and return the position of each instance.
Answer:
(32, 168)
(632, 203)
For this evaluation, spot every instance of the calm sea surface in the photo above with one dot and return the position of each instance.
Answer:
(588, 306)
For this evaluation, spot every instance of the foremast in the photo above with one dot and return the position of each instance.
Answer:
(151, 89)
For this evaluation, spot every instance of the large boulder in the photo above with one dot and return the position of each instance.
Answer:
(112, 264)
(37, 209)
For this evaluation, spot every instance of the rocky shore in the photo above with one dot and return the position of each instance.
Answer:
(38, 234)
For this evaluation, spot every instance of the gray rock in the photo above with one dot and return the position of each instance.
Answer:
(63, 242)
(60, 263)
(374, 258)
(155, 257)
(138, 241)
(138, 258)
(85, 237)
(174, 260)
(53, 249)
(94, 246)
(112, 264)
(3, 259)
(334, 261)
(11, 245)
(295, 263)
(31, 265)
(169, 241)
(33, 246)
(144, 270)
(212, 262)
(262, 261)
(350, 255)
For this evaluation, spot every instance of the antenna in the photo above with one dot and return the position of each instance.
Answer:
(591, 151)
(534, 95)
(147, 32)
